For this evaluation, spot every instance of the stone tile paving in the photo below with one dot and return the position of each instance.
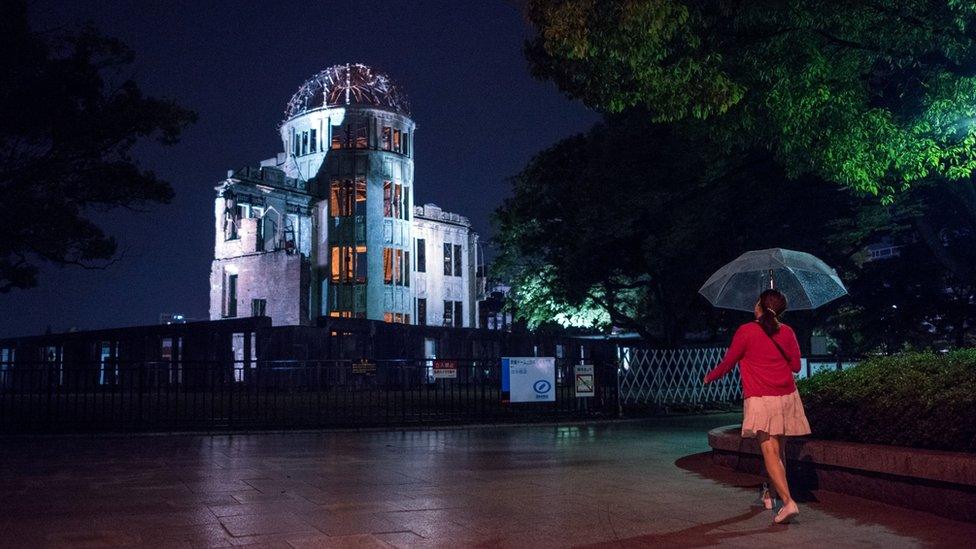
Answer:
(629, 484)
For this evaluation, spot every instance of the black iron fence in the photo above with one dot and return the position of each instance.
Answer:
(191, 396)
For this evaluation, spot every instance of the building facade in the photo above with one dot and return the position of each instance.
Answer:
(328, 227)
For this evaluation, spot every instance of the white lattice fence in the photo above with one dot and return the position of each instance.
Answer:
(674, 376)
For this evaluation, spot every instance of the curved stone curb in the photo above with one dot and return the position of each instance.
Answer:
(943, 483)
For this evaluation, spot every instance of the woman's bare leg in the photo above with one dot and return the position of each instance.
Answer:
(775, 468)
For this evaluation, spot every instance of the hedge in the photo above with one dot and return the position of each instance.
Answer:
(921, 400)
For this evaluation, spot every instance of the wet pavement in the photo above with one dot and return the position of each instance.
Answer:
(631, 484)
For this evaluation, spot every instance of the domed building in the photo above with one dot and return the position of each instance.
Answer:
(328, 226)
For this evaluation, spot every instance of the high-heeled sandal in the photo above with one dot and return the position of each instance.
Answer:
(786, 514)
(765, 498)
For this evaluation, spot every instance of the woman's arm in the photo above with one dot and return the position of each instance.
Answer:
(793, 352)
(732, 356)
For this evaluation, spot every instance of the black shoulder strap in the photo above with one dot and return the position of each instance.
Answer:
(786, 357)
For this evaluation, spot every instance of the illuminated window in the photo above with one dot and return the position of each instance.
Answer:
(313, 142)
(421, 256)
(340, 314)
(387, 199)
(398, 201)
(342, 193)
(448, 264)
(336, 138)
(394, 267)
(457, 260)
(361, 197)
(387, 317)
(387, 138)
(343, 264)
(397, 142)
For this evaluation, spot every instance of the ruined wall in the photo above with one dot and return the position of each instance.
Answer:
(437, 227)
(279, 278)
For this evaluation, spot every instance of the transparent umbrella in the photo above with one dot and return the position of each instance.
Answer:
(807, 282)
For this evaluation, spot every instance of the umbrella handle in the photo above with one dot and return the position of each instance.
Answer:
(772, 284)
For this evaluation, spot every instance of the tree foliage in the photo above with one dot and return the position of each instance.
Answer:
(69, 117)
(923, 296)
(875, 95)
(621, 226)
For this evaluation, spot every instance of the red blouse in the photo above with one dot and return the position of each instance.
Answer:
(763, 369)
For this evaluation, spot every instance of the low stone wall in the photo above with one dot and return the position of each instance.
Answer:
(943, 483)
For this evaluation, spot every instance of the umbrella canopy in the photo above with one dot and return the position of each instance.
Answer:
(806, 281)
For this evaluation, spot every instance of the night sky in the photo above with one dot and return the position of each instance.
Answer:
(480, 117)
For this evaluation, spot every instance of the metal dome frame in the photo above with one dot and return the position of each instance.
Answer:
(348, 84)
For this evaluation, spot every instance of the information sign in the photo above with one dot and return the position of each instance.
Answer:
(529, 379)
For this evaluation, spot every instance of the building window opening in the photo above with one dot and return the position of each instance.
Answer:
(458, 317)
(313, 143)
(361, 264)
(422, 311)
(405, 269)
(259, 307)
(394, 267)
(393, 203)
(108, 365)
(304, 143)
(336, 139)
(360, 197)
(344, 268)
(341, 196)
(387, 138)
(397, 142)
(230, 297)
(457, 260)
(449, 313)
(406, 144)
(448, 264)
(421, 256)
(362, 135)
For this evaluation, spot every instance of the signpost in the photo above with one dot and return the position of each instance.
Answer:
(364, 367)
(585, 384)
(445, 369)
(529, 379)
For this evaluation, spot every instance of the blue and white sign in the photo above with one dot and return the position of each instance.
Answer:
(529, 379)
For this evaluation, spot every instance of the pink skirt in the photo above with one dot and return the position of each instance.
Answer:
(775, 415)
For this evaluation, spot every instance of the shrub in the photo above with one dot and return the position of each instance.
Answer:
(922, 400)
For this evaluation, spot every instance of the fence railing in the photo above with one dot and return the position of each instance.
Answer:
(177, 396)
(668, 377)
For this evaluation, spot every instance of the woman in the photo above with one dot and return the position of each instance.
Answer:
(768, 355)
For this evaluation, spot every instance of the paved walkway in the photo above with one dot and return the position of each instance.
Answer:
(616, 485)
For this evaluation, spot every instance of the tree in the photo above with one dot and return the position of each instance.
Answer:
(622, 225)
(912, 298)
(68, 120)
(876, 95)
